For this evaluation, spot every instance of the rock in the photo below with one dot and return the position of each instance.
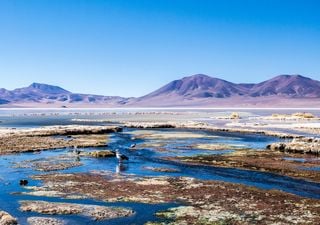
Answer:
(7, 219)
(24, 182)
(94, 211)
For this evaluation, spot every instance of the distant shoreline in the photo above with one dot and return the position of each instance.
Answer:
(157, 108)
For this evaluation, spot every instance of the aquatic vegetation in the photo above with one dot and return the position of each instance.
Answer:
(38, 139)
(53, 163)
(93, 211)
(45, 220)
(161, 169)
(101, 154)
(158, 135)
(210, 201)
(217, 146)
(10, 145)
(167, 166)
(263, 160)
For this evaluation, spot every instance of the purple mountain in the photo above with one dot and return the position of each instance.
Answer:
(193, 91)
(199, 86)
(45, 95)
(203, 90)
(287, 85)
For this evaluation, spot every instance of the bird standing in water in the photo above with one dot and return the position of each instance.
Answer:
(76, 151)
(120, 156)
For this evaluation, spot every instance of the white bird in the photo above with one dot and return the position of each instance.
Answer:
(120, 156)
(133, 146)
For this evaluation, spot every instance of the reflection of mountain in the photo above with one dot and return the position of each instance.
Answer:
(193, 91)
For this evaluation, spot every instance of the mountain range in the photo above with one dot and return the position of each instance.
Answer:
(193, 91)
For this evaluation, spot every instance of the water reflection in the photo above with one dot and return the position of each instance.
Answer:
(121, 167)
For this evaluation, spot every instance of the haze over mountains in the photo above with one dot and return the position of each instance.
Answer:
(193, 91)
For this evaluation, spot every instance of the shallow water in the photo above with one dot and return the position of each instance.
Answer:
(148, 157)
(140, 158)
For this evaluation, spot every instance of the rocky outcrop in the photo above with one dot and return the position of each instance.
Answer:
(7, 219)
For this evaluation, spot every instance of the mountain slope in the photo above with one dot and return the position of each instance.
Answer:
(199, 86)
(287, 85)
(194, 91)
(202, 90)
(45, 95)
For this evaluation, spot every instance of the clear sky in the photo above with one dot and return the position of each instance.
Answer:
(131, 47)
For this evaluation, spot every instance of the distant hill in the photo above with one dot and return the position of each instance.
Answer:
(193, 91)
(44, 95)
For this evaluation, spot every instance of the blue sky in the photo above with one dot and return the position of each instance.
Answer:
(131, 47)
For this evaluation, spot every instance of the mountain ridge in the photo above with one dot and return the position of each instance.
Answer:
(195, 90)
